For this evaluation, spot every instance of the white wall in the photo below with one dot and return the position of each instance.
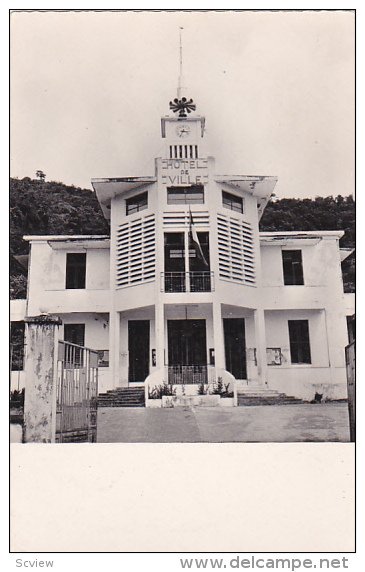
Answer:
(96, 328)
(47, 280)
(321, 263)
(326, 374)
(97, 269)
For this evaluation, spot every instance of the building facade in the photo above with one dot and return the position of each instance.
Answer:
(186, 289)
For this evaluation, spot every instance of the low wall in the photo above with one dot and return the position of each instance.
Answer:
(304, 382)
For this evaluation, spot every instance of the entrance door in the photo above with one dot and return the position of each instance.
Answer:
(235, 346)
(187, 351)
(139, 350)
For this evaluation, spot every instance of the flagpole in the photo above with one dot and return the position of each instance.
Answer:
(194, 236)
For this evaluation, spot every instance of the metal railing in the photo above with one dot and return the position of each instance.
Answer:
(187, 374)
(187, 281)
(77, 392)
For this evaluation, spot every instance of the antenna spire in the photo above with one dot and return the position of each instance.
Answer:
(180, 85)
(181, 104)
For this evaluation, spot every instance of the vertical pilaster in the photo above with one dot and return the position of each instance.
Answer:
(260, 337)
(218, 336)
(114, 347)
(160, 334)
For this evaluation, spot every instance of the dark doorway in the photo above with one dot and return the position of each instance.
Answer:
(187, 351)
(174, 262)
(235, 346)
(199, 264)
(139, 350)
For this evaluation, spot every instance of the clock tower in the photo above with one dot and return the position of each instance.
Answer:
(183, 134)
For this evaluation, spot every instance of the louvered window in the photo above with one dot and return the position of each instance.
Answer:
(235, 248)
(136, 252)
(180, 219)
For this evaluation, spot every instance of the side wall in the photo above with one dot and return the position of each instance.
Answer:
(326, 374)
(47, 281)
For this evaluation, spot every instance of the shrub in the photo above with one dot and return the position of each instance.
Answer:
(221, 389)
(159, 390)
(202, 390)
(218, 387)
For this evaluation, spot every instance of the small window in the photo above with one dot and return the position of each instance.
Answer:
(232, 202)
(190, 195)
(299, 341)
(74, 334)
(137, 203)
(292, 267)
(75, 270)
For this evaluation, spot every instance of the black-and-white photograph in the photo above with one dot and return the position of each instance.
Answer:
(182, 230)
(182, 227)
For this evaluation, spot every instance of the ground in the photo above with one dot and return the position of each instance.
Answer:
(265, 424)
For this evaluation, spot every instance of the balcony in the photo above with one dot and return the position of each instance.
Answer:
(187, 281)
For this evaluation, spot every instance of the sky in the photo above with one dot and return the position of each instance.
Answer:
(277, 90)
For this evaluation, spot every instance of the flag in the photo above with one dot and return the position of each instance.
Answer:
(194, 237)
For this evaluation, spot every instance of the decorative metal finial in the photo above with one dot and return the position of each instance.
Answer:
(182, 106)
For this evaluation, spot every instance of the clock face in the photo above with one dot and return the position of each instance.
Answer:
(183, 130)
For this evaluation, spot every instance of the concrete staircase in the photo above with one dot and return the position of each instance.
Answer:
(122, 397)
(258, 395)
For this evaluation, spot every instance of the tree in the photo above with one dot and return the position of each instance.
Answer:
(41, 176)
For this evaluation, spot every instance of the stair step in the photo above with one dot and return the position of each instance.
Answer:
(268, 401)
(121, 400)
(127, 389)
(113, 404)
(124, 393)
(123, 397)
(260, 393)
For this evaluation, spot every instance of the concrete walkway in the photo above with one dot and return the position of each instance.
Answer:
(265, 424)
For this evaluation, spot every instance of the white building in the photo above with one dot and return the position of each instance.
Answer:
(266, 307)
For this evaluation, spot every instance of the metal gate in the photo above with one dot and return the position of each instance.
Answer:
(77, 393)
